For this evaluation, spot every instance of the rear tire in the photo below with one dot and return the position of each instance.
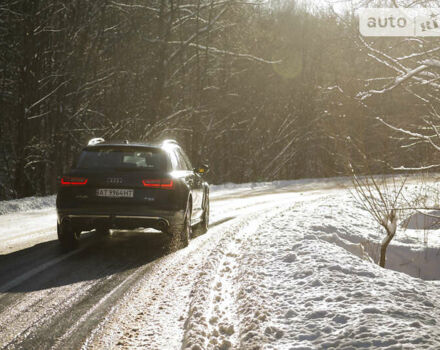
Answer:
(67, 236)
(186, 232)
(181, 234)
(202, 227)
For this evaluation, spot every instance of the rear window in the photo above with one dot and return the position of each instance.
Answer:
(123, 158)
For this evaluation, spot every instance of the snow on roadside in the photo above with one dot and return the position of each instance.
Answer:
(307, 184)
(26, 204)
(342, 221)
(278, 285)
(301, 184)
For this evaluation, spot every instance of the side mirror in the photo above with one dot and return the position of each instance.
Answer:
(201, 170)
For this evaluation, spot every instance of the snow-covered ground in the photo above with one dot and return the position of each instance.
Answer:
(26, 204)
(414, 250)
(280, 284)
(274, 186)
(284, 266)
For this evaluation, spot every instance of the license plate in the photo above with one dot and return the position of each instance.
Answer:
(114, 193)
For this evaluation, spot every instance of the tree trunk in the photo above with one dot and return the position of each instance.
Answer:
(384, 246)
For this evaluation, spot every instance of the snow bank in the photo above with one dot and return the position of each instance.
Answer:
(327, 298)
(278, 283)
(414, 250)
(26, 204)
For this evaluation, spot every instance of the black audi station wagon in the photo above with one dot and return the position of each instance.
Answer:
(122, 185)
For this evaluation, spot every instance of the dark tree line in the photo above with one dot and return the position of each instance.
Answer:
(259, 91)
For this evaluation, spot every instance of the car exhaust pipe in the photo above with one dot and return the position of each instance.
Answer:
(66, 221)
(163, 226)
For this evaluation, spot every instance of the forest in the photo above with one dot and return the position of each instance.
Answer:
(259, 90)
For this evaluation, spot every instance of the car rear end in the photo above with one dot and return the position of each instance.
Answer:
(121, 186)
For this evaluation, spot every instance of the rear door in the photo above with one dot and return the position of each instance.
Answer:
(183, 171)
(198, 181)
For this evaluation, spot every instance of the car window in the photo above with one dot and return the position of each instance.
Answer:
(185, 159)
(127, 158)
(174, 160)
(181, 162)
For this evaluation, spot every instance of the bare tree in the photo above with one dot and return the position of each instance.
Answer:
(410, 69)
(383, 198)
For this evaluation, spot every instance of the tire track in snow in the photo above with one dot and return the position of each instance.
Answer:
(48, 301)
(40, 268)
(67, 320)
(153, 313)
(213, 320)
(155, 309)
(42, 263)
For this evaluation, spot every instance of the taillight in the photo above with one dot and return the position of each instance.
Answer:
(73, 181)
(166, 184)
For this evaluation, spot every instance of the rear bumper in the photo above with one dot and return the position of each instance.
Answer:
(87, 220)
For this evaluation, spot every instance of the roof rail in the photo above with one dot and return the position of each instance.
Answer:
(169, 141)
(95, 141)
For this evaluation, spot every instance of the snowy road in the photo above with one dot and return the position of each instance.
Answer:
(260, 277)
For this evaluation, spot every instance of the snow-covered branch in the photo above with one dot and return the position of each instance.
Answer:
(225, 52)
